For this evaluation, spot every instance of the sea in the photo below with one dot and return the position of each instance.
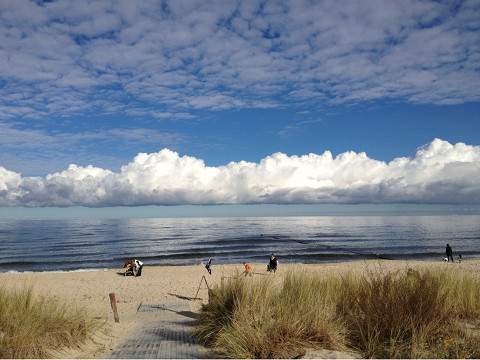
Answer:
(82, 244)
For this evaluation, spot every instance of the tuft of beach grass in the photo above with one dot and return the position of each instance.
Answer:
(407, 313)
(35, 327)
(258, 318)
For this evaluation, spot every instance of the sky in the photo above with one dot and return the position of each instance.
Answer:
(139, 103)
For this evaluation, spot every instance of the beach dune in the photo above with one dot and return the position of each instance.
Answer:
(161, 284)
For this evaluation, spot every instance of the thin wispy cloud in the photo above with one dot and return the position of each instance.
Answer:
(170, 59)
(439, 172)
(297, 126)
(23, 138)
(40, 151)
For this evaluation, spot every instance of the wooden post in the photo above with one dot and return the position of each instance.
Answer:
(200, 285)
(83, 328)
(113, 303)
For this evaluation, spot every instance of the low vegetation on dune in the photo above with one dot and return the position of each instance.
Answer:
(412, 314)
(382, 314)
(255, 319)
(34, 327)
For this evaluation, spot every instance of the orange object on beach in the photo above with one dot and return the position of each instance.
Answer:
(248, 269)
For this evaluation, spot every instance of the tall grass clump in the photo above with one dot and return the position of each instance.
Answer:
(249, 318)
(34, 327)
(411, 314)
(384, 314)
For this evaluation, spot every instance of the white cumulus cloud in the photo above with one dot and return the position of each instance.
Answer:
(439, 172)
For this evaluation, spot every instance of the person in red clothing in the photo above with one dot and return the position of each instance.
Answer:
(248, 269)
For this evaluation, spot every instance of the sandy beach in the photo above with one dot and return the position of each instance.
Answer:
(159, 284)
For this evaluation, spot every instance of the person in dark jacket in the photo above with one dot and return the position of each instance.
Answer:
(449, 252)
(208, 266)
(272, 264)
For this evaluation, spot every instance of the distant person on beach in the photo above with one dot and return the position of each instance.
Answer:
(272, 264)
(137, 269)
(459, 258)
(208, 266)
(449, 252)
(128, 267)
(133, 267)
(248, 269)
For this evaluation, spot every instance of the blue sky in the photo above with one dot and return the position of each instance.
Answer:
(97, 82)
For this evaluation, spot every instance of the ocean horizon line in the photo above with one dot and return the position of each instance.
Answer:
(238, 210)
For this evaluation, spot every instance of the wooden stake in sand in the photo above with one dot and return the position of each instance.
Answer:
(199, 285)
(83, 328)
(113, 303)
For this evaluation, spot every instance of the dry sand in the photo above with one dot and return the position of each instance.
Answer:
(159, 284)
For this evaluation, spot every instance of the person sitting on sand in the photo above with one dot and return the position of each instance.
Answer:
(137, 269)
(449, 252)
(273, 264)
(248, 269)
(133, 267)
(129, 265)
(208, 266)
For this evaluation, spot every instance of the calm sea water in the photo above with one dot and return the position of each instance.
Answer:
(43, 245)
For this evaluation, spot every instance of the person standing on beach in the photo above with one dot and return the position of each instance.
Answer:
(208, 266)
(449, 252)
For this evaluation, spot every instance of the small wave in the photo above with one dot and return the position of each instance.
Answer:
(55, 271)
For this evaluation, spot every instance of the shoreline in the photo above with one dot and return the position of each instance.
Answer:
(340, 260)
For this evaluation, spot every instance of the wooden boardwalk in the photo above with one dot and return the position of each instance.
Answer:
(166, 334)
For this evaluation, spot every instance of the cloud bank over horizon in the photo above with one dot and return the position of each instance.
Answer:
(439, 172)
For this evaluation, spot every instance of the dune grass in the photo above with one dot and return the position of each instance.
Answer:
(34, 327)
(398, 314)
(411, 314)
(254, 319)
